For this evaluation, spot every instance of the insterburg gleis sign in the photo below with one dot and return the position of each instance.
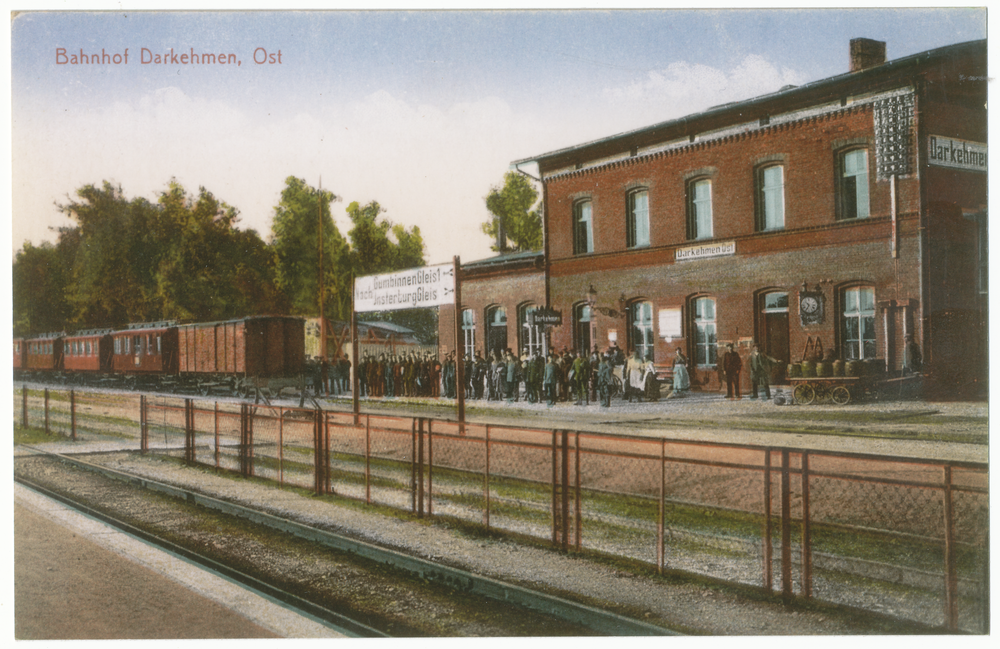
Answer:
(415, 288)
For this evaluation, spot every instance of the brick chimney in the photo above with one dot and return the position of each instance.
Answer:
(866, 53)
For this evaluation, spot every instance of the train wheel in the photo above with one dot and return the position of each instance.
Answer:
(840, 395)
(804, 394)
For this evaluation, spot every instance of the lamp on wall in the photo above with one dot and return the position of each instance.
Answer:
(603, 310)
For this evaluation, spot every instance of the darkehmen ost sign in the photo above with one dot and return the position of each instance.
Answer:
(409, 289)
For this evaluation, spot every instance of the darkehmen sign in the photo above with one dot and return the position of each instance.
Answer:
(957, 154)
(409, 289)
(704, 251)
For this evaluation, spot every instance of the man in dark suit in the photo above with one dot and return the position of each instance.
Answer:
(732, 365)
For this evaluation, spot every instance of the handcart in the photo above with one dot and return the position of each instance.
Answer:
(840, 390)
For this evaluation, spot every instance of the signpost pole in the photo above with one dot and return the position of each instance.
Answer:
(459, 347)
(355, 401)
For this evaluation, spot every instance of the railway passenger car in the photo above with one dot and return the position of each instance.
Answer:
(87, 355)
(19, 356)
(44, 353)
(146, 353)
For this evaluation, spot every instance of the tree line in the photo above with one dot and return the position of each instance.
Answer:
(183, 257)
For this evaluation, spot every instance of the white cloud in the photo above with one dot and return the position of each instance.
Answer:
(428, 166)
(684, 88)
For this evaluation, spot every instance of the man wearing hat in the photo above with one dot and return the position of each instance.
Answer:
(732, 365)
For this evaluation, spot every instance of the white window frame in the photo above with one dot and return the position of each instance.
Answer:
(700, 208)
(859, 308)
(772, 197)
(469, 332)
(853, 185)
(640, 317)
(638, 218)
(583, 217)
(705, 331)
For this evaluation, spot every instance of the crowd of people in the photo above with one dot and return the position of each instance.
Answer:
(502, 376)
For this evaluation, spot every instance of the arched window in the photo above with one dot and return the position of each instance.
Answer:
(700, 209)
(582, 322)
(583, 228)
(468, 332)
(853, 184)
(771, 198)
(857, 323)
(703, 325)
(640, 316)
(638, 218)
(531, 335)
(496, 329)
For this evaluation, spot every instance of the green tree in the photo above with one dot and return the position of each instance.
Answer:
(380, 246)
(39, 278)
(513, 217)
(181, 257)
(295, 242)
(113, 269)
(210, 270)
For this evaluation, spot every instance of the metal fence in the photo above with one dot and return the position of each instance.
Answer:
(901, 536)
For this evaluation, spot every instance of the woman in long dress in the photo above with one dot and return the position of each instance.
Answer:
(682, 381)
(635, 369)
(651, 385)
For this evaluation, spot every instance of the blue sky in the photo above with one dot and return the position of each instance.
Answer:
(422, 111)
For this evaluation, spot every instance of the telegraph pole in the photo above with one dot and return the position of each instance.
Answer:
(322, 320)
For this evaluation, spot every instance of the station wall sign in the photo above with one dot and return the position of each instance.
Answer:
(722, 249)
(414, 288)
(545, 316)
(957, 154)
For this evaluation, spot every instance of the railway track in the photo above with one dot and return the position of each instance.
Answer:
(367, 590)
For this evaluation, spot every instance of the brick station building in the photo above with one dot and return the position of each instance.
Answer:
(844, 214)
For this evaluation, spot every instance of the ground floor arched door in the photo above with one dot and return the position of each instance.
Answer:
(774, 330)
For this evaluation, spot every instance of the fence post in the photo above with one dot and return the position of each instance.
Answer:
(47, 411)
(143, 425)
(486, 479)
(216, 434)
(327, 484)
(786, 526)
(189, 456)
(662, 514)
(420, 467)
(564, 504)
(430, 467)
(244, 438)
(578, 507)
(806, 530)
(24, 405)
(555, 487)
(413, 465)
(768, 527)
(250, 450)
(368, 459)
(317, 454)
(281, 447)
(72, 414)
(951, 579)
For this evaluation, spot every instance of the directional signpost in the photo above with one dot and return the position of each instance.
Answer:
(415, 288)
